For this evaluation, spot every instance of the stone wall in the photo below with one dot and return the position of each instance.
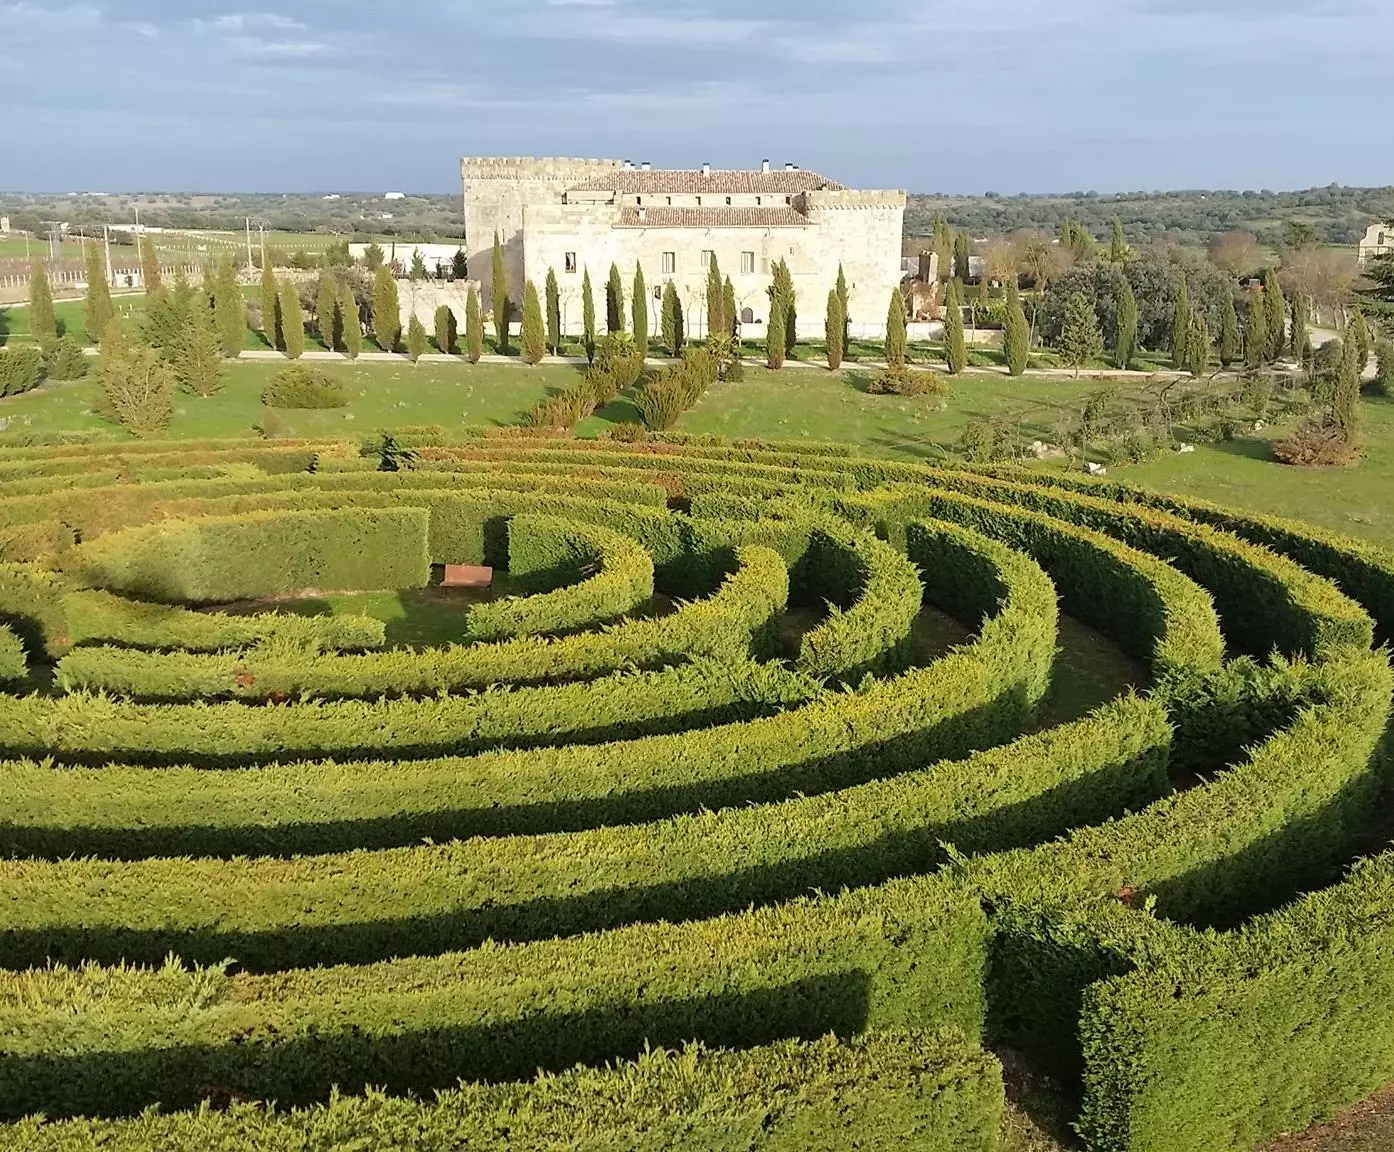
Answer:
(421, 298)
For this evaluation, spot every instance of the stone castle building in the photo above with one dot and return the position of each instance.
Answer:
(573, 215)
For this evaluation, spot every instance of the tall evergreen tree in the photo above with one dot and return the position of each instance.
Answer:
(416, 339)
(728, 305)
(1229, 331)
(640, 305)
(198, 365)
(149, 265)
(775, 333)
(327, 310)
(1118, 247)
(962, 257)
(943, 251)
(459, 265)
(955, 350)
(553, 295)
(588, 315)
(1181, 326)
(166, 317)
(43, 325)
(1345, 408)
(1125, 338)
(679, 325)
(1275, 310)
(534, 328)
(445, 330)
(418, 266)
(717, 322)
(499, 294)
(782, 288)
(614, 301)
(1298, 308)
(791, 313)
(97, 310)
(474, 326)
(895, 330)
(1359, 338)
(669, 318)
(1198, 346)
(844, 300)
(350, 323)
(387, 310)
(229, 308)
(1255, 332)
(270, 307)
(292, 321)
(833, 331)
(1080, 339)
(1016, 337)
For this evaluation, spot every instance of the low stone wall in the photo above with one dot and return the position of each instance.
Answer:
(421, 298)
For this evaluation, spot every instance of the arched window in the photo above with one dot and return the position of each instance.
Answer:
(747, 316)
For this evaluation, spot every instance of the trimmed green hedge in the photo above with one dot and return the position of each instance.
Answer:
(882, 1093)
(14, 666)
(32, 606)
(261, 554)
(731, 625)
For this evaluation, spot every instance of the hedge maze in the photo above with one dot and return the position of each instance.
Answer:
(633, 864)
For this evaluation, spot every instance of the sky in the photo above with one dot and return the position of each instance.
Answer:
(1006, 96)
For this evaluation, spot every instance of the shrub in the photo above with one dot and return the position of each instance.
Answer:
(68, 361)
(21, 368)
(135, 386)
(901, 380)
(300, 386)
(1316, 444)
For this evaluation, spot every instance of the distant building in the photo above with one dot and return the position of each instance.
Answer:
(395, 196)
(438, 258)
(332, 196)
(4, 224)
(1379, 241)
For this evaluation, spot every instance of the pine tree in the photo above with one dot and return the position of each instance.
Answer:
(1125, 340)
(833, 331)
(270, 307)
(1016, 337)
(417, 343)
(459, 265)
(445, 330)
(97, 310)
(474, 327)
(895, 330)
(640, 305)
(499, 293)
(775, 332)
(588, 316)
(387, 310)
(553, 295)
(1275, 314)
(43, 325)
(669, 318)
(1359, 338)
(1181, 326)
(1298, 308)
(728, 305)
(718, 323)
(1080, 339)
(1255, 332)
(326, 308)
(534, 330)
(292, 321)
(1198, 345)
(199, 362)
(351, 323)
(418, 265)
(1118, 247)
(962, 258)
(844, 301)
(614, 301)
(229, 308)
(1229, 332)
(955, 350)
(166, 317)
(149, 265)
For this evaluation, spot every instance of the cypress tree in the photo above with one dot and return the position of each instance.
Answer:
(1255, 332)
(1181, 326)
(229, 308)
(962, 262)
(1298, 308)
(326, 310)
(1016, 336)
(270, 307)
(474, 326)
(782, 286)
(387, 310)
(1359, 338)
(718, 324)
(534, 330)
(198, 364)
(292, 321)
(1309, 360)
(553, 313)
(641, 312)
(97, 310)
(791, 313)
(499, 293)
(588, 315)
(614, 301)
(833, 331)
(1275, 314)
(895, 330)
(1080, 339)
(351, 323)
(728, 306)
(1118, 248)
(149, 265)
(446, 331)
(166, 317)
(1125, 340)
(955, 351)
(669, 321)
(1346, 403)
(416, 339)
(844, 302)
(1198, 345)
(43, 325)
(775, 332)
(1229, 332)
(679, 325)
(943, 250)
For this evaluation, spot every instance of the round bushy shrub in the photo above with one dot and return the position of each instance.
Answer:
(299, 386)
(21, 368)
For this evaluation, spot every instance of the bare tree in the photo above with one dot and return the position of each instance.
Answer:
(1322, 275)
(1238, 253)
(1043, 259)
(1001, 261)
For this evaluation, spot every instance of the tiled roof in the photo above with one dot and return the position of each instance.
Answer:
(690, 181)
(780, 217)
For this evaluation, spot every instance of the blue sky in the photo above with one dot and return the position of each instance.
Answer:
(1010, 95)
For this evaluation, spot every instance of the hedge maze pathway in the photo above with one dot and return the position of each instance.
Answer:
(596, 877)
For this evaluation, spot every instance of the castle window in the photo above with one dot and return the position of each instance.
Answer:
(638, 200)
(728, 201)
(788, 200)
(670, 200)
(670, 263)
(759, 200)
(699, 201)
(571, 261)
(707, 255)
(748, 263)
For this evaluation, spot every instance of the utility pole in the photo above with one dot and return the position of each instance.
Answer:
(106, 243)
(251, 266)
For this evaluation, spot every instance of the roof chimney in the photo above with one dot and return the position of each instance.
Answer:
(764, 165)
(628, 165)
(643, 214)
(706, 169)
(645, 166)
(788, 167)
